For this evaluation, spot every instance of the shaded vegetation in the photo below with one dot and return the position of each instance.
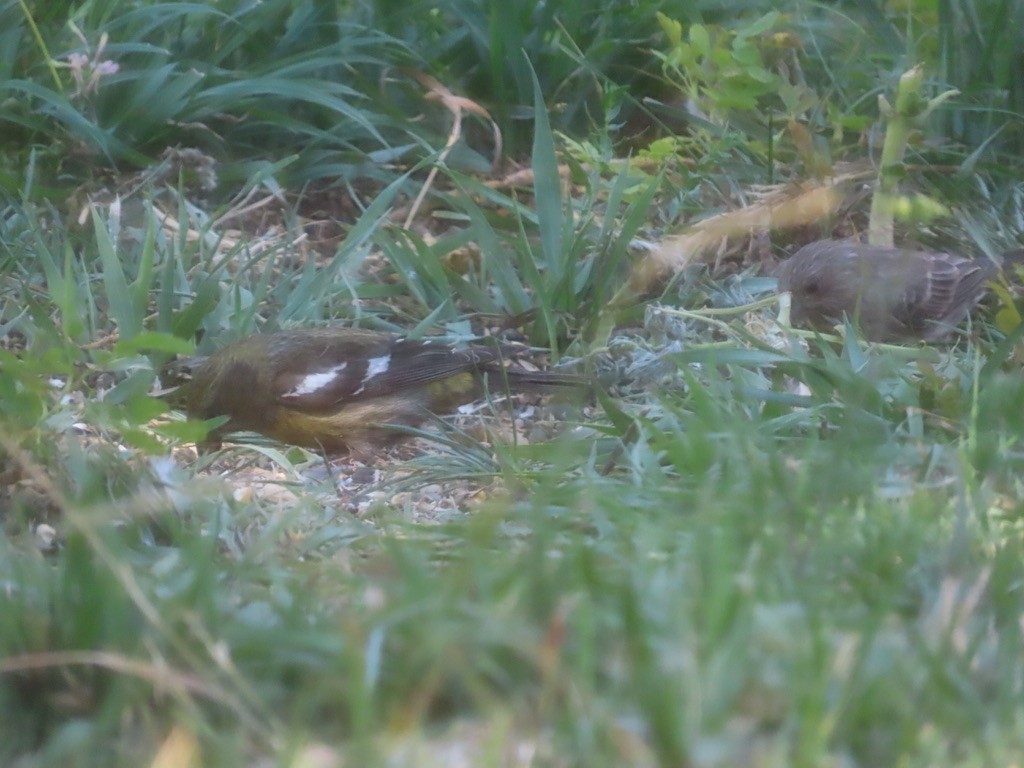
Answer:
(754, 547)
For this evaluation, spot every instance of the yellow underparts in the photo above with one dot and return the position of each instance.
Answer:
(363, 423)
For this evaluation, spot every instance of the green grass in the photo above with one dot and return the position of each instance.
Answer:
(751, 549)
(747, 594)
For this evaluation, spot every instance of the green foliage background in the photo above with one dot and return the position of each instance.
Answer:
(780, 555)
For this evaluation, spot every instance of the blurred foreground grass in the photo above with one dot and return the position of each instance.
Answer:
(763, 552)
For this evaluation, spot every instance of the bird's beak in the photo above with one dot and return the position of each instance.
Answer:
(785, 302)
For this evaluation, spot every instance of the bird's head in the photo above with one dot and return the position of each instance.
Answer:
(822, 289)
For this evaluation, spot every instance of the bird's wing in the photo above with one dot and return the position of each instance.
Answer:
(337, 371)
(946, 289)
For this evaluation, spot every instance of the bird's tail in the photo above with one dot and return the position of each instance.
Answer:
(517, 378)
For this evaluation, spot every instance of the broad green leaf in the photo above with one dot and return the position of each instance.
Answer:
(119, 296)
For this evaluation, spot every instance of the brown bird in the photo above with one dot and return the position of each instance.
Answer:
(890, 293)
(337, 389)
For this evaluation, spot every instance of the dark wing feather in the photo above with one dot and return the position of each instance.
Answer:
(928, 291)
(341, 374)
(945, 294)
(413, 363)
